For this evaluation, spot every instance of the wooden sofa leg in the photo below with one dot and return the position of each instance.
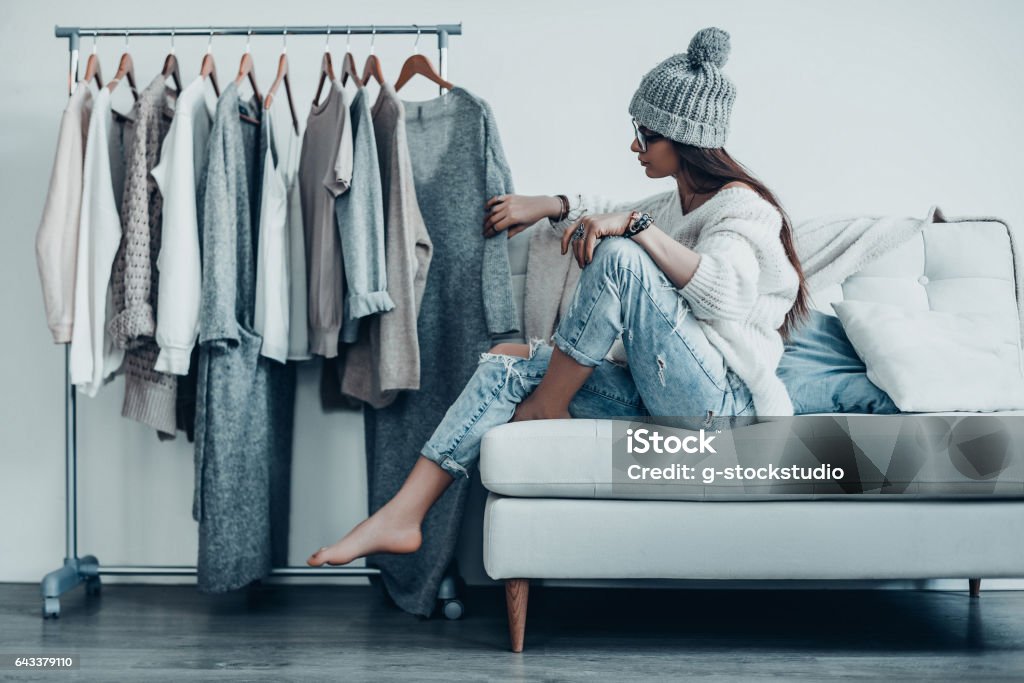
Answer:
(975, 585)
(517, 592)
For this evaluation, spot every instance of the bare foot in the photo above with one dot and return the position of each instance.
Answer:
(381, 532)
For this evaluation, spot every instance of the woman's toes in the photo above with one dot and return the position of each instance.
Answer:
(318, 558)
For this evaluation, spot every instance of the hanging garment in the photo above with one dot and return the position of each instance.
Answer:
(149, 395)
(244, 401)
(95, 358)
(57, 236)
(273, 259)
(325, 171)
(458, 163)
(386, 357)
(298, 287)
(176, 175)
(360, 216)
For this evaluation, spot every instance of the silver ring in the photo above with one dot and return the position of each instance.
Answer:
(578, 232)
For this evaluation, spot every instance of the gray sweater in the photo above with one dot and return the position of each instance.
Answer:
(244, 401)
(360, 215)
(458, 163)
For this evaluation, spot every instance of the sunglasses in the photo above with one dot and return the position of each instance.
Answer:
(645, 138)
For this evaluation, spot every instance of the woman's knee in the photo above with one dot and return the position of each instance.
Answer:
(507, 361)
(612, 252)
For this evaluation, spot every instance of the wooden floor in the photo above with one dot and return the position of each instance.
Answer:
(293, 632)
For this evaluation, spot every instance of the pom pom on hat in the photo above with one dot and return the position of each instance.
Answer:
(708, 45)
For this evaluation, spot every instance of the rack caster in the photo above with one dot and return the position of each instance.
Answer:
(451, 607)
(51, 608)
(77, 570)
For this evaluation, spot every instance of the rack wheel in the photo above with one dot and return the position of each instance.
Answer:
(51, 608)
(92, 586)
(452, 609)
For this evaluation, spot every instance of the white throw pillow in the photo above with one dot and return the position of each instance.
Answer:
(934, 361)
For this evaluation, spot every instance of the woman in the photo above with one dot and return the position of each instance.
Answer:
(721, 247)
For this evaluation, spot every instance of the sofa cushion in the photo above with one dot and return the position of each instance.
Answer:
(929, 360)
(954, 267)
(939, 455)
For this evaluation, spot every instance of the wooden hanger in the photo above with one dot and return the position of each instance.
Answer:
(247, 69)
(92, 66)
(208, 68)
(171, 65)
(372, 66)
(326, 69)
(349, 69)
(282, 76)
(419, 64)
(348, 65)
(126, 67)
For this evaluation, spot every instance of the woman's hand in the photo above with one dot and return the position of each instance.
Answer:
(588, 230)
(517, 212)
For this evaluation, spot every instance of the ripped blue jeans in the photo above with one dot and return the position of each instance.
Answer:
(673, 369)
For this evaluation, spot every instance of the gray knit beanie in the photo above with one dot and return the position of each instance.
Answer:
(686, 97)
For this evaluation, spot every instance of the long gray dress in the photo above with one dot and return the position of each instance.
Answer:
(244, 401)
(458, 163)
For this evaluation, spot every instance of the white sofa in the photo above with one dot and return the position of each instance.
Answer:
(550, 511)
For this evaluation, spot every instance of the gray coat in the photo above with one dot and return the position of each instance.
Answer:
(244, 401)
(458, 163)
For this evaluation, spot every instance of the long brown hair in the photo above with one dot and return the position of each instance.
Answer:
(708, 170)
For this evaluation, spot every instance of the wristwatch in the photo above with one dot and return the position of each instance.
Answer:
(637, 222)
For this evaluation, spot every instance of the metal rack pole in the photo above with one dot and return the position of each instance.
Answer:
(87, 569)
(73, 32)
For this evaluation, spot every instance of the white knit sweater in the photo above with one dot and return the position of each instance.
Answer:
(740, 293)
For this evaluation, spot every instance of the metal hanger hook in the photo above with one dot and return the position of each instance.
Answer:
(126, 41)
(94, 33)
(327, 41)
(209, 43)
(248, 38)
(348, 41)
(373, 36)
(172, 41)
(416, 45)
(284, 40)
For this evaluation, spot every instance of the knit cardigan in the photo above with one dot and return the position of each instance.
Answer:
(149, 395)
(740, 293)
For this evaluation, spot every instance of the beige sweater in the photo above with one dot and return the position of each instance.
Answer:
(739, 294)
(57, 236)
(386, 357)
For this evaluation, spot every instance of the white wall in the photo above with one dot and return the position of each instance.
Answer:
(871, 107)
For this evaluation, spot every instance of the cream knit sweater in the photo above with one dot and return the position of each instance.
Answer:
(740, 293)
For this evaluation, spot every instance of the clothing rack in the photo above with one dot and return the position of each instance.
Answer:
(87, 569)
